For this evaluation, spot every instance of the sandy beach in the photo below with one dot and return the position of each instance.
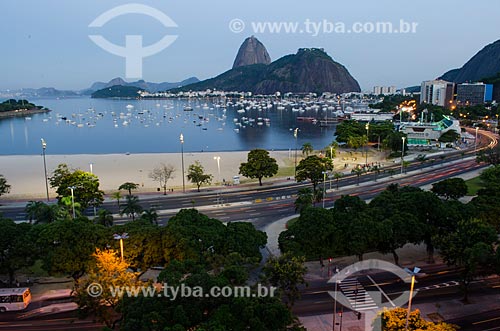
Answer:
(25, 172)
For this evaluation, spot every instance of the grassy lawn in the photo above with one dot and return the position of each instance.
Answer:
(474, 185)
(285, 172)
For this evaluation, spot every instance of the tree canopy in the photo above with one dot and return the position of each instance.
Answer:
(259, 165)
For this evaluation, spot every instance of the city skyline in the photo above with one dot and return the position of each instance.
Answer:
(49, 44)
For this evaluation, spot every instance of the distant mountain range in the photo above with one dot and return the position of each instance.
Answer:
(50, 92)
(148, 86)
(309, 70)
(485, 64)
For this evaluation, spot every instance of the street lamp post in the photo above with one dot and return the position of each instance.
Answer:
(335, 302)
(475, 140)
(121, 237)
(181, 138)
(331, 152)
(324, 187)
(92, 172)
(217, 158)
(72, 188)
(413, 273)
(295, 134)
(367, 127)
(44, 146)
(402, 154)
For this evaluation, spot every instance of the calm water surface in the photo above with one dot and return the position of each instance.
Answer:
(101, 126)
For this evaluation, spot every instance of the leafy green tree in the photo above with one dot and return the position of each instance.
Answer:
(307, 148)
(40, 212)
(16, 247)
(449, 136)
(244, 239)
(86, 186)
(331, 150)
(305, 198)
(127, 186)
(469, 248)
(109, 271)
(356, 142)
(312, 168)
(286, 272)
(396, 231)
(359, 232)
(259, 165)
(337, 176)
(489, 155)
(162, 174)
(450, 188)
(349, 129)
(104, 218)
(117, 196)
(196, 174)
(66, 246)
(4, 187)
(394, 142)
(358, 171)
(131, 207)
(150, 216)
(395, 320)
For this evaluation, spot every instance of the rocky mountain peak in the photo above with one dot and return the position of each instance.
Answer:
(252, 51)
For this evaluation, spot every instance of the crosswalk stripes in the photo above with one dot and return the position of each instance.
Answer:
(359, 299)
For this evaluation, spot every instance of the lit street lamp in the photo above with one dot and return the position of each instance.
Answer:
(295, 134)
(324, 188)
(181, 138)
(91, 171)
(367, 127)
(44, 146)
(72, 188)
(475, 140)
(413, 273)
(402, 154)
(217, 158)
(121, 237)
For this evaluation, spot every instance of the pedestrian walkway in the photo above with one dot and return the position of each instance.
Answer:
(354, 291)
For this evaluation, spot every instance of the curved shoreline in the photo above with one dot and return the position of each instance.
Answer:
(22, 113)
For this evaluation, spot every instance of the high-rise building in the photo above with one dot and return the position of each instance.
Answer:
(437, 92)
(474, 94)
(385, 90)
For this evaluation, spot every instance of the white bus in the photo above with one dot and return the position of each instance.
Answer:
(12, 299)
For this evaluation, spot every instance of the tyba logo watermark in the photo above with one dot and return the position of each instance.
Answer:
(133, 51)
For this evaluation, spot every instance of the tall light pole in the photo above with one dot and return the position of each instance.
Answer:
(72, 188)
(402, 154)
(475, 140)
(324, 187)
(44, 146)
(121, 237)
(295, 134)
(331, 152)
(367, 127)
(181, 138)
(92, 172)
(217, 158)
(335, 302)
(412, 273)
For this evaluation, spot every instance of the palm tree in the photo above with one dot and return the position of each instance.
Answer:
(131, 206)
(304, 199)
(150, 215)
(40, 212)
(117, 196)
(128, 186)
(104, 217)
(358, 171)
(337, 176)
(307, 149)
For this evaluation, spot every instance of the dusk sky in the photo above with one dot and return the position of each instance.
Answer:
(45, 43)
